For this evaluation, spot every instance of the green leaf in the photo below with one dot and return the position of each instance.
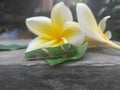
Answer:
(81, 51)
(11, 47)
(117, 7)
(56, 55)
(52, 52)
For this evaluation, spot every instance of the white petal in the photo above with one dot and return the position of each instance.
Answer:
(60, 15)
(108, 34)
(71, 24)
(39, 43)
(87, 22)
(40, 26)
(73, 34)
(112, 45)
(102, 23)
(78, 40)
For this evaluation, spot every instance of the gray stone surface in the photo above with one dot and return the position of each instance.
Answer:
(99, 69)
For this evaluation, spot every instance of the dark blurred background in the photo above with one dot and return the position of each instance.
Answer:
(14, 12)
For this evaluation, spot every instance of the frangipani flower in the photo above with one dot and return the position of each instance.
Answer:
(58, 30)
(94, 33)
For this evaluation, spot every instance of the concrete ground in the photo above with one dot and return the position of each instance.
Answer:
(99, 69)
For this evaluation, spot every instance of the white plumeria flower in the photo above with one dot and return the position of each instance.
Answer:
(94, 33)
(58, 30)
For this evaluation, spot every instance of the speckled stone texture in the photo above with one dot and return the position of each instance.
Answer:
(99, 69)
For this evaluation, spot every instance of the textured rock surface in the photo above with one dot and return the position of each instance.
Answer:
(99, 69)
